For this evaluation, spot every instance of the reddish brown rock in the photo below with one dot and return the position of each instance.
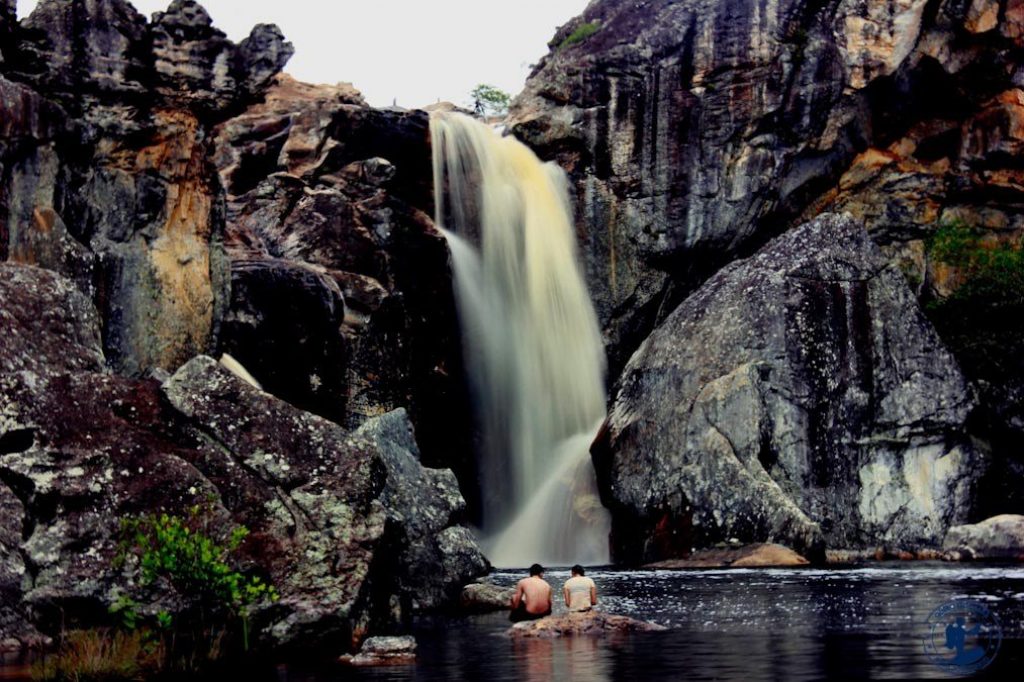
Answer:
(591, 623)
(747, 556)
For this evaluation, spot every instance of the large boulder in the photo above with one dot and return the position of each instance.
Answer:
(436, 558)
(999, 537)
(799, 396)
(694, 130)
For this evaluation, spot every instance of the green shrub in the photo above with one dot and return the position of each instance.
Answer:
(581, 33)
(489, 100)
(993, 274)
(183, 551)
(982, 320)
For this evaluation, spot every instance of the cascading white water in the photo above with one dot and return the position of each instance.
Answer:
(532, 343)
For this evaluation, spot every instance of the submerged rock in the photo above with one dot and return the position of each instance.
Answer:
(749, 556)
(591, 622)
(999, 537)
(799, 396)
(383, 651)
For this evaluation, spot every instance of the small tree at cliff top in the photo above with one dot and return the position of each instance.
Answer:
(489, 100)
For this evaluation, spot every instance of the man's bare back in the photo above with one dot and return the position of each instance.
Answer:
(537, 593)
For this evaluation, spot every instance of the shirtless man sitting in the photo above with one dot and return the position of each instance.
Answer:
(532, 599)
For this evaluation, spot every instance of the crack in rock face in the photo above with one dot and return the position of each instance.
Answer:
(798, 396)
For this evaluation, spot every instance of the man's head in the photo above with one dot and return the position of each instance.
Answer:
(577, 570)
(536, 570)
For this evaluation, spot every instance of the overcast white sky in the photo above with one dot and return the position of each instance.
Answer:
(417, 51)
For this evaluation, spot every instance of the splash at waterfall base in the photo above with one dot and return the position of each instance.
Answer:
(532, 344)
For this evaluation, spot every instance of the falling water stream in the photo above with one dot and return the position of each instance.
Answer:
(532, 344)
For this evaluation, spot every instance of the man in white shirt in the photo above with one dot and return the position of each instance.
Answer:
(580, 592)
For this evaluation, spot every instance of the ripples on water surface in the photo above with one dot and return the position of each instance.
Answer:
(737, 624)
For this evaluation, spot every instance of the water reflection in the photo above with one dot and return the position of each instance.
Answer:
(730, 625)
(569, 658)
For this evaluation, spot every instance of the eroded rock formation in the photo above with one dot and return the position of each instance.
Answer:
(145, 221)
(111, 183)
(349, 526)
(328, 200)
(696, 130)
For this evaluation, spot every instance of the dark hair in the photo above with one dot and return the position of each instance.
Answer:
(577, 569)
(536, 569)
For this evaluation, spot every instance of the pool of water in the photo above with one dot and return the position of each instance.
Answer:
(736, 624)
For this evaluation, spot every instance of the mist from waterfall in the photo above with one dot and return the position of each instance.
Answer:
(532, 344)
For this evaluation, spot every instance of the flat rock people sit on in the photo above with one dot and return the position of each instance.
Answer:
(532, 599)
(579, 591)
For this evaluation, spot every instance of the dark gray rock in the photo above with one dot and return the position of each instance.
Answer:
(104, 170)
(997, 538)
(283, 326)
(13, 621)
(49, 325)
(317, 181)
(8, 25)
(81, 449)
(197, 66)
(799, 396)
(437, 558)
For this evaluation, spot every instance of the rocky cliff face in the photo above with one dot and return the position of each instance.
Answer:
(695, 131)
(798, 396)
(106, 170)
(329, 200)
(162, 197)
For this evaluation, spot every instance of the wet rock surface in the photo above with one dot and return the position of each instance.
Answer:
(383, 651)
(799, 396)
(483, 597)
(999, 538)
(329, 201)
(748, 556)
(585, 623)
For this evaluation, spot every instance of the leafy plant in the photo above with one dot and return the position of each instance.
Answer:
(579, 34)
(489, 100)
(182, 551)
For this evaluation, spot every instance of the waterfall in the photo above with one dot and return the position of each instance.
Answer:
(532, 344)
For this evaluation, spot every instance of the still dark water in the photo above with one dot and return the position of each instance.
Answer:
(738, 624)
